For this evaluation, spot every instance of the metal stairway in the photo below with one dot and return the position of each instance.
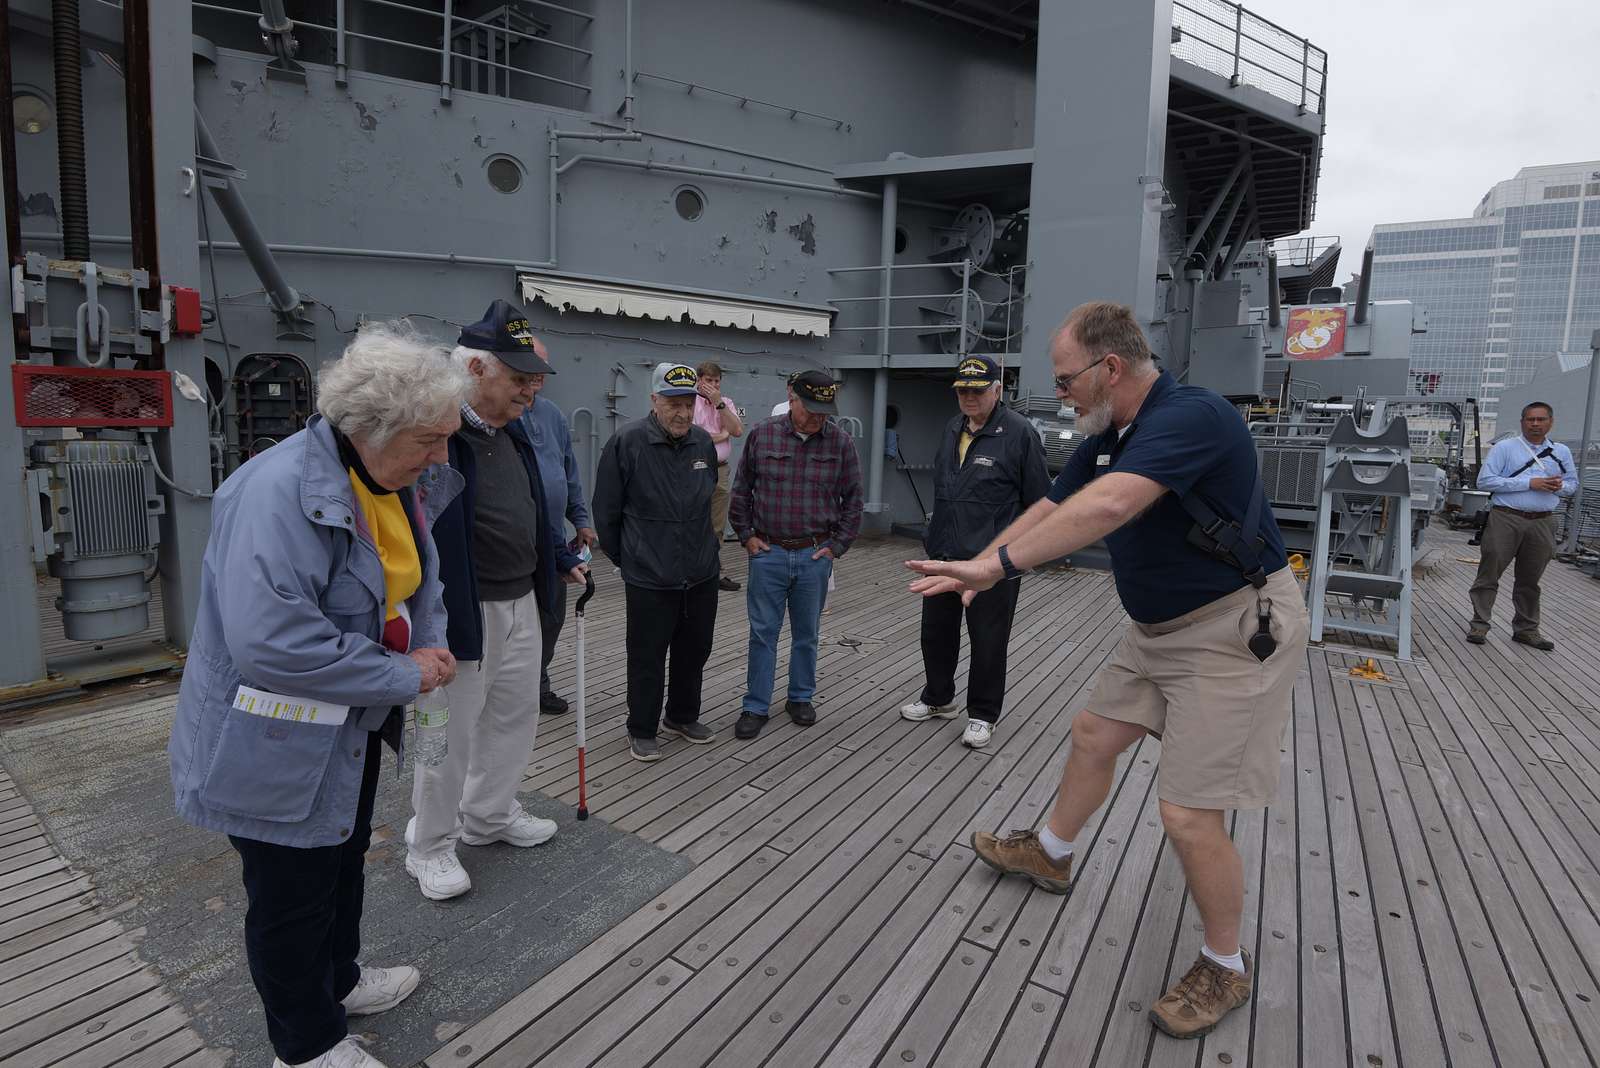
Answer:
(1367, 486)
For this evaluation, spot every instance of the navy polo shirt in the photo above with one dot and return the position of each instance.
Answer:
(1189, 440)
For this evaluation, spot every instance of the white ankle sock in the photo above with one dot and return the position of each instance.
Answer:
(1055, 848)
(1235, 962)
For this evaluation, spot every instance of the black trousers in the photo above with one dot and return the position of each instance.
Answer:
(549, 630)
(679, 622)
(988, 629)
(302, 931)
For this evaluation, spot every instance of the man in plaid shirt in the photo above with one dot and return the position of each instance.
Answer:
(796, 507)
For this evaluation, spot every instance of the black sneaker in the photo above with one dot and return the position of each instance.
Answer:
(645, 749)
(749, 725)
(801, 712)
(697, 733)
(726, 583)
(552, 704)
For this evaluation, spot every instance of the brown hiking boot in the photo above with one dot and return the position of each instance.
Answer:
(1478, 635)
(1203, 997)
(1019, 853)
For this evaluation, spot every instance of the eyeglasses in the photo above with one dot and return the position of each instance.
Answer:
(1064, 382)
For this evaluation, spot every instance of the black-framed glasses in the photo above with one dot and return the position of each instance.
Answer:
(1064, 382)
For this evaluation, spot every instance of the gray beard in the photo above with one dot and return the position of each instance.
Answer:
(1096, 420)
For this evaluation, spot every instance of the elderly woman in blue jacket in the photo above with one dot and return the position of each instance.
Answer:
(320, 616)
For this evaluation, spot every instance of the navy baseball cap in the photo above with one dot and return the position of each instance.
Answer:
(504, 330)
(673, 380)
(977, 372)
(816, 390)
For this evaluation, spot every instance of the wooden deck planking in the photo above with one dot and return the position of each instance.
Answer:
(72, 989)
(1360, 811)
(1425, 890)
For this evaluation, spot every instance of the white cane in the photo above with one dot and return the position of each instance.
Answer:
(583, 794)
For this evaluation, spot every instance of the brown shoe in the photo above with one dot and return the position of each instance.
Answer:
(1019, 853)
(1535, 639)
(1478, 635)
(1203, 997)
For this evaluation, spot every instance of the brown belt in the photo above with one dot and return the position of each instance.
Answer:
(810, 541)
(1525, 515)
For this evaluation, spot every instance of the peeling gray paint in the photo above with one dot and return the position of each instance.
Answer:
(770, 221)
(805, 231)
(39, 204)
(367, 120)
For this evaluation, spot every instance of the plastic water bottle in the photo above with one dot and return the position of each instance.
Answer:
(428, 736)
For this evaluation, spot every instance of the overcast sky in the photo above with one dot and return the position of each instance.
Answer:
(1431, 103)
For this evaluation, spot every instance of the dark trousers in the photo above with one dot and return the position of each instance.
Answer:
(549, 630)
(302, 931)
(1525, 545)
(679, 622)
(988, 629)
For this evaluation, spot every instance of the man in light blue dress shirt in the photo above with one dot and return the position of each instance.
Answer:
(1527, 475)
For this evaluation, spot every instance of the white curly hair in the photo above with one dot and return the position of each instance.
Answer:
(390, 377)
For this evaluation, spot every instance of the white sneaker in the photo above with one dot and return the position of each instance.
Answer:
(524, 830)
(977, 734)
(440, 877)
(916, 711)
(380, 989)
(347, 1054)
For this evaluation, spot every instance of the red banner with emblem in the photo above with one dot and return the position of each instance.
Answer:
(1314, 333)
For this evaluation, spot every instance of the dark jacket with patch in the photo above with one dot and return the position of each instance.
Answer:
(652, 506)
(453, 535)
(974, 501)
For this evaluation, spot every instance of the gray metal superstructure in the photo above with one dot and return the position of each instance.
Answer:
(871, 187)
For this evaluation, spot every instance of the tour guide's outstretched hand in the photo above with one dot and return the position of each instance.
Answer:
(966, 577)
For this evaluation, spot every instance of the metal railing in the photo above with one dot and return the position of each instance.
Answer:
(475, 54)
(1226, 39)
(1300, 251)
(985, 326)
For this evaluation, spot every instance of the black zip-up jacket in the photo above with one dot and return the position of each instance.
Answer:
(974, 501)
(652, 506)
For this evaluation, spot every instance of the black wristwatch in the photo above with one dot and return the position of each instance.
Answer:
(1011, 571)
(721, 405)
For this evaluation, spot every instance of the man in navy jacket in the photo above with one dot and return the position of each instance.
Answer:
(500, 551)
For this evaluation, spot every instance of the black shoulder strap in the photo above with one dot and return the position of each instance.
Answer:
(1549, 453)
(1523, 468)
(1236, 543)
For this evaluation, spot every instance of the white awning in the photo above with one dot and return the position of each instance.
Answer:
(669, 305)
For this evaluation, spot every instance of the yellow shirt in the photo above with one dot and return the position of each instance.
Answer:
(961, 445)
(391, 534)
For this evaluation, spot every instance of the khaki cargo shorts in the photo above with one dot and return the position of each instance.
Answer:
(1220, 713)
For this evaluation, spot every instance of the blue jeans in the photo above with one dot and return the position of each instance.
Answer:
(780, 577)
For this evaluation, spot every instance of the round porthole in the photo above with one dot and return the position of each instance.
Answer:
(689, 203)
(505, 174)
(900, 240)
(30, 113)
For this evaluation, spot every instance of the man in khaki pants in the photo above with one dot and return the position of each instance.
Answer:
(1527, 475)
(1168, 477)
